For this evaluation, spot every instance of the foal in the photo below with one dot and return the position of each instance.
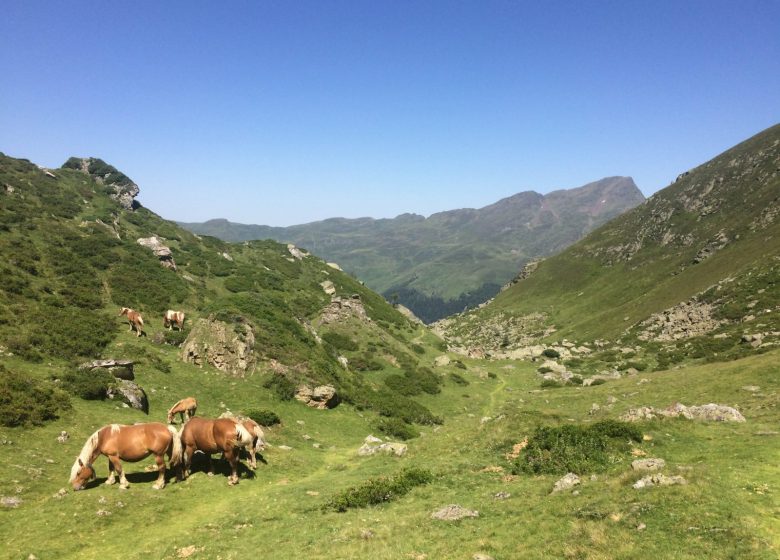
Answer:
(134, 318)
(185, 408)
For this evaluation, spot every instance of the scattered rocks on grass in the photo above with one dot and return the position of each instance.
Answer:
(658, 480)
(187, 551)
(502, 495)
(566, 483)
(63, 437)
(651, 464)
(707, 412)
(61, 493)
(441, 361)
(480, 556)
(102, 513)
(389, 448)
(453, 512)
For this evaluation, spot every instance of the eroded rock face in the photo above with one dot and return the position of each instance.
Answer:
(161, 251)
(341, 309)
(129, 393)
(688, 319)
(321, 397)
(229, 348)
(124, 190)
(121, 369)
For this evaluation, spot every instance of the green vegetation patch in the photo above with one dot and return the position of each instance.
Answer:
(578, 449)
(379, 490)
(89, 385)
(26, 401)
(397, 428)
(264, 417)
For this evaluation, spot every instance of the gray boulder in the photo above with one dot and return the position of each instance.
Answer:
(453, 512)
(321, 397)
(129, 393)
(566, 483)
(651, 464)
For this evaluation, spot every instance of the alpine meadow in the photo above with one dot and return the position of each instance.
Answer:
(619, 398)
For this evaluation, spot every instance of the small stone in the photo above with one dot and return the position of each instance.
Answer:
(641, 527)
(453, 512)
(502, 495)
(63, 437)
(651, 464)
(366, 534)
(480, 556)
(566, 483)
(10, 501)
(102, 513)
(61, 493)
(284, 447)
(372, 439)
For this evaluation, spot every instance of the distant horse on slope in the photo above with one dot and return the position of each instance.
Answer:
(134, 318)
(172, 318)
(127, 443)
(185, 408)
(221, 435)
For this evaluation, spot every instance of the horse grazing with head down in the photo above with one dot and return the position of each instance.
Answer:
(127, 443)
(185, 408)
(172, 318)
(221, 435)
(134, 318)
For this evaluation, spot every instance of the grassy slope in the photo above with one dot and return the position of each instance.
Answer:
(727, 511)
(600, 286)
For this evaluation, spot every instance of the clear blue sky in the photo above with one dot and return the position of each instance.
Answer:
(288, 112)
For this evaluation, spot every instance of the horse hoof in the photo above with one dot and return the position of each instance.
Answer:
(158, 487)
(211, 474)
(124, 486)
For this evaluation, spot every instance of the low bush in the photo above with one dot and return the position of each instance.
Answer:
(576, 380)
(550, 384)
(91, 385)
(281, 386)
(25, 401)
(397, 428)
(379, 490)
(639, 366)
(551, 353)
(458, 379)
(340, 341)
(264, 417)
(597, 382)
(577, 449)
(418, 349)
(544, 369)
(459, 364)
(175, 338)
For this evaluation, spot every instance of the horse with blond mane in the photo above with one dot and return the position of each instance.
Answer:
(134, 318)
(185, 408)
(127, 443)
(172, 318)
(221, 435)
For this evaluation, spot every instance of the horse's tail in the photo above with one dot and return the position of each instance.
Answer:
(243, 437)
(258, 432)
(176, 449)
(140, 320)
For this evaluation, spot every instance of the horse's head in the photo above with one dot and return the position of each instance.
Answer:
(84, 474)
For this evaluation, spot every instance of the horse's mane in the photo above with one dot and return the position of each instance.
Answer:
(86, 454)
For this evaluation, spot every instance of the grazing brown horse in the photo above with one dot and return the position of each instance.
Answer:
(221, 435)
(127, 443)
(172, 318)
(185, 408)
(134, 318)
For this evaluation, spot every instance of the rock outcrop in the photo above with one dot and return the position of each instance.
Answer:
(566, 483)
(229, 348)
(122, 189)
(658, 480)
(688, 319)
(453, 512)
(160, 250)
(341, 309)
(321, 397)
(121, 369)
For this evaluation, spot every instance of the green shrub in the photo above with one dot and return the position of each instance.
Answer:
(264, 417)
(544, 369)
(25, 401)
(418, 349)
(397, 428)
(574, 362)
(91, 385)
(577, 449)
(492, 375)
(414, 382)
(458, 379)
(550, 384)
(551, 353)
(365, 363)
(597, 382)
(459, 364)
(175, 337)
(340, 341)
(379, 490)
(281, 386)
(576, 380)
(639, 366)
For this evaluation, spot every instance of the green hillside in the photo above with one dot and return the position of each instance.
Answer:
(70, 260)
(703, 253)
(451, 260)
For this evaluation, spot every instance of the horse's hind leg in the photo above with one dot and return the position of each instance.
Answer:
(232, 456)
(160, 484)
(111, 475)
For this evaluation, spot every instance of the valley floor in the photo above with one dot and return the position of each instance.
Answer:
(730, 507)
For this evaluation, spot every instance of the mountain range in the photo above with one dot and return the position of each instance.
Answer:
(450, 260)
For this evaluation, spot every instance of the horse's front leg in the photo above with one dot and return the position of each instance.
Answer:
(232, 457)
(111, 476)
(210, 470)
(123, 484)
(160, 484)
